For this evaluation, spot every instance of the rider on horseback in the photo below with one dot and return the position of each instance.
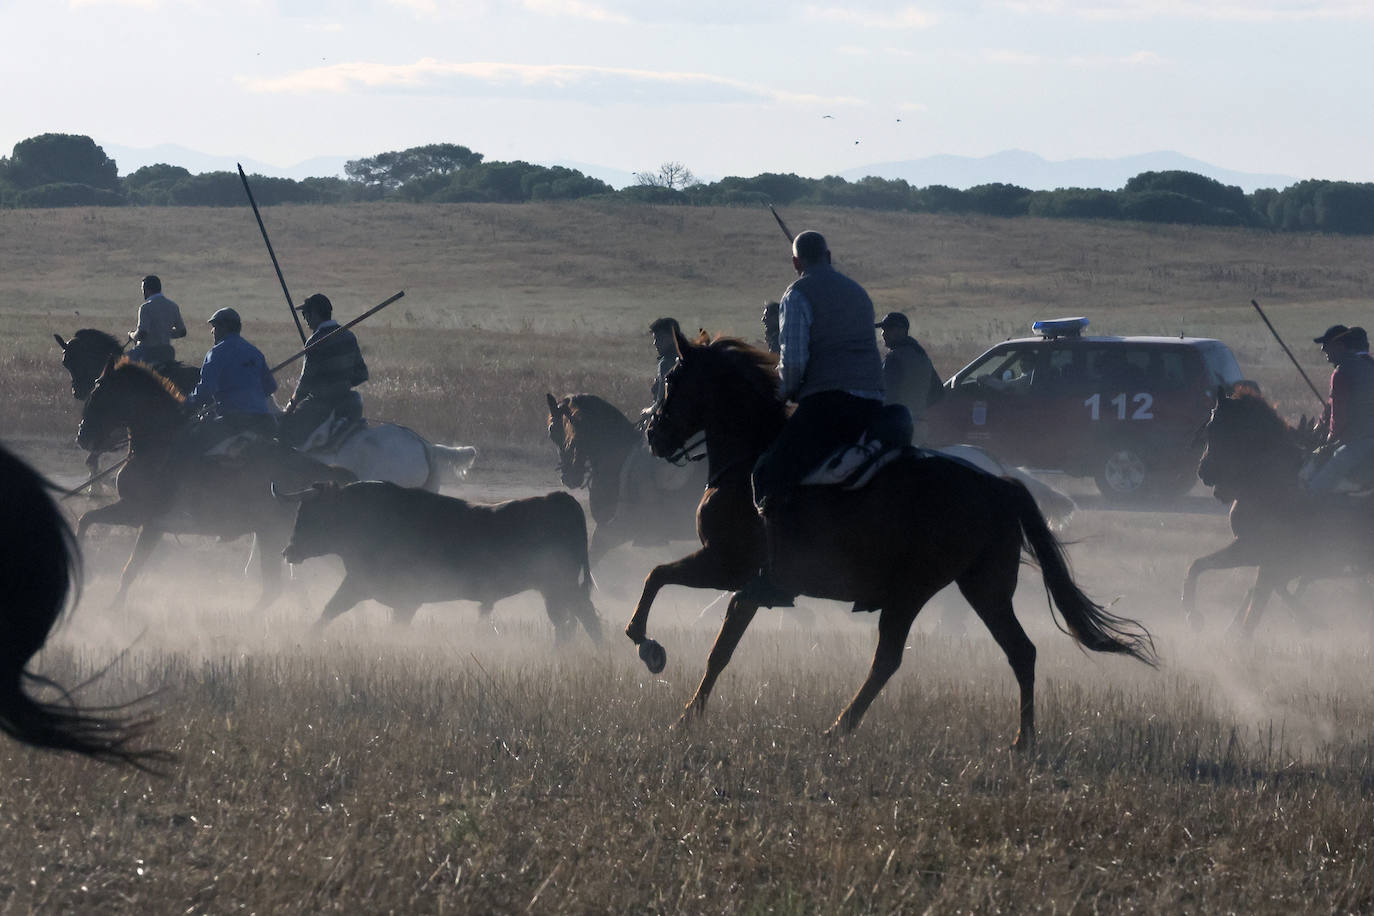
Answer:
(159, 323)
(1350, 429)
(332, 369)
(235, 381)
(829, 364)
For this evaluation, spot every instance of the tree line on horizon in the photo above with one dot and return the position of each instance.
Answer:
(67, 170)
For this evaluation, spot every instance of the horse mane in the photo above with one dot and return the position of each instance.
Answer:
(145, 378)
(758, 368)
(1258, 414)
(599, 411)
(93, 336)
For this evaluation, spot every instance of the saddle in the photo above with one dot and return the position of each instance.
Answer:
(852, 466)
(332, 433)
(343, 421)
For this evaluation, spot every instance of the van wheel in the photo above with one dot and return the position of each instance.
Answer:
(1122, 474)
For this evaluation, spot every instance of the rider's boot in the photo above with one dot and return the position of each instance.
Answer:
(763, 590)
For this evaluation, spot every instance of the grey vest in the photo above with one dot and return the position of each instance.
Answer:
(843, 350)
(907, 377)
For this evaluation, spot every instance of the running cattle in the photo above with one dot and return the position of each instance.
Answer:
(407, 547)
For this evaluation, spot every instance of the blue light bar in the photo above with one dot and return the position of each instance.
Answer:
(1060, 327)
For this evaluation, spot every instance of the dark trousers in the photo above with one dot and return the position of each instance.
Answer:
(821, 424)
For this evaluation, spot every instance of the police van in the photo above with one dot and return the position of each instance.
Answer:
(1125, 411)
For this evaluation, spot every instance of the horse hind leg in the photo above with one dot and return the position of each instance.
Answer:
(989, 591)
(894, 623)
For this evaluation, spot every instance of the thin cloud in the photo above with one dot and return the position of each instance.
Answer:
(1025, 59)
(1258, 11)
(604, 85)
(574, 9)
(908, 17)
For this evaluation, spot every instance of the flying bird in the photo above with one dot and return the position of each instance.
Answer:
(831, 117)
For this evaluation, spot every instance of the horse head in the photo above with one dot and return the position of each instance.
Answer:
(572, 463)
(84, 356)
(126, 394)
(1249, 449)
(719, 380)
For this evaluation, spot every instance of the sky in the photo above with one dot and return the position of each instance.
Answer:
(725, 87)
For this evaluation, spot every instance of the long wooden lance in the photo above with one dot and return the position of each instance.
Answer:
(277, 267)
(365, 315)
(781, 225)
(1265, 319)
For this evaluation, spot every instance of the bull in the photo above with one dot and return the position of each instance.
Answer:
(406, 547)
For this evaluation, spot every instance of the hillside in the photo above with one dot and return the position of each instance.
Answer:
(504, 302)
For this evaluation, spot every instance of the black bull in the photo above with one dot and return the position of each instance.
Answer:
(407, 547)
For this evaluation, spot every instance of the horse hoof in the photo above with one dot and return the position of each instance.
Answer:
(654, 656)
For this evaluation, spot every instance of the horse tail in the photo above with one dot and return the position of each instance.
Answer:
(457, 460)
(40, 561)
(1088, 622)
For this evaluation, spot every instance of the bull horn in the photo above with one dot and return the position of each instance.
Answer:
(60, 342)
(293, 497)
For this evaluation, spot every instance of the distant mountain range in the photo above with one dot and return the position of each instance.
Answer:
(1028, 170)
(1010, 167)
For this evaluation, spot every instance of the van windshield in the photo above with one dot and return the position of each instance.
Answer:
(1222, 368)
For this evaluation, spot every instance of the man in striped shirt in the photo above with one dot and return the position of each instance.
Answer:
(333, 368)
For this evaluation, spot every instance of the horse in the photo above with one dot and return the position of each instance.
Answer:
(163, 488)
(1252, 460)
(39, 563)
(600, 449)
(372, 451)
(922, 522)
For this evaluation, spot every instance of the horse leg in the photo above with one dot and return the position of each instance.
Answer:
(120, 514)
(893, 626)
(604, 539)
(1266, 583)
(269, 546)
(148, 536)
(345, 597)
(738, 615)
(585, 612)
(705, 568)
(1236, 554)
(990, 592)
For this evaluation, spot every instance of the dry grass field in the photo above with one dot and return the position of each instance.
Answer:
(468, 766)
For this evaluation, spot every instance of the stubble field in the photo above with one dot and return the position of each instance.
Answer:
(466, 765)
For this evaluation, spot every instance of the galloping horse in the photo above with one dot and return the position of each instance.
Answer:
(920, 524)
(85, 355)
(164, 489)
(597, 448)
(377, 451)
(38, 560)
(1252, 459)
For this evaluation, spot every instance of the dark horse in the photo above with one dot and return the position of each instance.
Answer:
(38, 563)
(597, 447)
(84, 357)
(163, 488)
(1252, 458)
(921, 523)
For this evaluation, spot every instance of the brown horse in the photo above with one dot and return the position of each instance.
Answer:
(920, 524)
(1252, 458)
(597, 446)
(38, 566)
(163, 488)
